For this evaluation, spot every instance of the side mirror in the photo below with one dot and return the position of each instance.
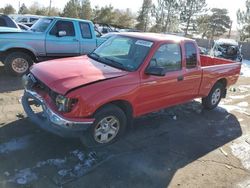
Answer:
(156, 71)
(62, 33)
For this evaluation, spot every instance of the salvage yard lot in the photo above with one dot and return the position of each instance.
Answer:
(183, 146)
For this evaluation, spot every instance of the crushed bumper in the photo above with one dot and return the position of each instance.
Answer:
(51, 121)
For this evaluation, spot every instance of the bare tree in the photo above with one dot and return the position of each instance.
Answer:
(190, 9)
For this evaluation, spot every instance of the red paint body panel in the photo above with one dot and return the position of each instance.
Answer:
(145, 93)
(61, 75)
(215, 69)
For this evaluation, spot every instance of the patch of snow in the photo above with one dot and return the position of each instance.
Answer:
(78, 164)
(24, 176)
(51, 162)
(240, 119)
(78, 154)
(82, 168)
(244, 184)
(15, 144)
(245, 68)
(63, 172)
(244, 88)
(6, 173)
(242, 151)
(224, 101)
(243, 104)
(238, 96)
(230, 108)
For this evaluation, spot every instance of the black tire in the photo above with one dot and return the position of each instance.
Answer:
(89, 137)
(25, 59)
(212, 100)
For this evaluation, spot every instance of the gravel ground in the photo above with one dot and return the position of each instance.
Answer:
(183, 146)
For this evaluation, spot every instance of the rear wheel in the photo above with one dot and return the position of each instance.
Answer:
(109, 126)
(212, 100)
(18, 63)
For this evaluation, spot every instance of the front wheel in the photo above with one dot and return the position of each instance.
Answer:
(17, 63)
(109, 126)
(212, 100)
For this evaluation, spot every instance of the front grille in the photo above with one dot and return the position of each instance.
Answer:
(43, 87)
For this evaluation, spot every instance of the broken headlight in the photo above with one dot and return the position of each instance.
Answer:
(28, 81)
(65, 104)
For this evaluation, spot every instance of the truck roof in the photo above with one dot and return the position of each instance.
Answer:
(67, 18)
(155, 36)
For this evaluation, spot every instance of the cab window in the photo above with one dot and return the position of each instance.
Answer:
(63, 26)
(191, 55)
(33, 19)
(167, 56)
(85, 30)
(24, 20)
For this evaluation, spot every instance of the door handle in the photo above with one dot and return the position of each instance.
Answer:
(150, 83)
(180, 78)
(76, 40)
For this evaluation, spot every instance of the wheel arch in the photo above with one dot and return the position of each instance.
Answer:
(124, 105)
(223, 81)
(24, 50)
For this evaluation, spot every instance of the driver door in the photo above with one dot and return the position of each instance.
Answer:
(157, 92)
(66, 45)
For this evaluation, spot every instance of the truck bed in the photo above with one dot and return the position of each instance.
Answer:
(207, 60)
(214, 69)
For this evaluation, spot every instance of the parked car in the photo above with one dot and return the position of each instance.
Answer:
(49, 38)
(228, 49)
(96, 96)
(6, 21)
(23, 27)
(5, 30)
(27, 19)
(203, 50)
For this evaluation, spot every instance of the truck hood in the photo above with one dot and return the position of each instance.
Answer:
(20, 35)
(65, 74)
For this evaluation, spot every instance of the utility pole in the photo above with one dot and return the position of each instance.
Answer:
(19, 5)
(50, 2)
(230, 29)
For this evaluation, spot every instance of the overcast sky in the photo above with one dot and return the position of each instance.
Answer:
(134, 5)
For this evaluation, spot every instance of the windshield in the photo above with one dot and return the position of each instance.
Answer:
(41, 25)
(122, 52)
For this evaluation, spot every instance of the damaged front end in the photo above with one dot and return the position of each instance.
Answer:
(227, 49)
(49, 118)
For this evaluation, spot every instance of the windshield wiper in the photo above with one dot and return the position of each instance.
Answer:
(94, 56)
(106, 61)
(114, 63)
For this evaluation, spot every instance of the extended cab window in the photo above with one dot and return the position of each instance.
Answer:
(85, 30)
(167, 56)
(191, 55)
(66, 26)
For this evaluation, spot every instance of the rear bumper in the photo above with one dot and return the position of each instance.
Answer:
(50, 120)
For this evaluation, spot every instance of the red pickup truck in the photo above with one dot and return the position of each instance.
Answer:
(96, 96)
